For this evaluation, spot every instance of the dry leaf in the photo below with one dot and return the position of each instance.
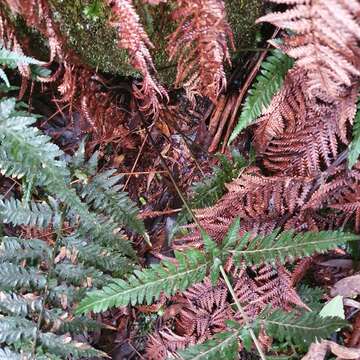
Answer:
(347, 287)
(318, 351)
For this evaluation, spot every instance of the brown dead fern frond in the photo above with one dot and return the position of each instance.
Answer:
(38, 15)
(260, 286)
(200, 46)
(133, 38)
(341, 193)
(299, 134)
(325, 43)
(262, 204)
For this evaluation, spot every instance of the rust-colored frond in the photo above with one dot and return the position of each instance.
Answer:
(134, 39)
(299, 134)
(264, 285)
(204, 312)
(206, 296)
(341, 193)
(325, 42)
(262, 204)
(200, 46)
(10, 41)
(163, 344)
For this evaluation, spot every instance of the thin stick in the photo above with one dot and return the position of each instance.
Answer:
(137, 159)
(242, 312)
(152, 214)
(143, 172)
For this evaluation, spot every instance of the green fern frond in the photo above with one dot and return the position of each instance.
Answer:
(78, 324)
(106, 258)
(65, 347)
(268, 82)
(311, 296)
(13, 328)
(24, 150)
(148, 284)
(13, 59)
(4, 77)
(213, 186)
(106, 233)
(14, 304)
(210, 189)
(354, 147)
(287, 245)
(301, 330)
(15, 249)
(39, 214)
(15, 277)
(105, 193)
(77, 274)
(223, 345)
(7, 354)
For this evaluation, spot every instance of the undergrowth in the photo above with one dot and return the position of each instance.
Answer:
(79, 215)
(230, 281)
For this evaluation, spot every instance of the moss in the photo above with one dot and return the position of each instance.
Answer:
(242, 15)
(90, 36)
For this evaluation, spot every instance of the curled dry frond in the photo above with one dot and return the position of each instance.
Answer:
(134, 39)
(325, 42)
(200, 46)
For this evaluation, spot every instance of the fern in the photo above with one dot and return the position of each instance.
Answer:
(13, 329)
(223, 345)
(301, 330)
(16, 277)
(13, 60)
(16, 250)
(40, 279)
(193, 265)
(284, 246)
(268, 82)
(104, 193)
(147, 285)
(7, 354)
(311, 296)
(39, 214)
(212, 187)
(354, 147)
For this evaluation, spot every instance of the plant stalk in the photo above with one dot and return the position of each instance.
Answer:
(242, 312)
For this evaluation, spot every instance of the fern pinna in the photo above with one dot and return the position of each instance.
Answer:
(43, 278)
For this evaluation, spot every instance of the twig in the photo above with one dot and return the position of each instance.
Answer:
(224, 115)
(137, 159)
(152, 214)
(143, 172)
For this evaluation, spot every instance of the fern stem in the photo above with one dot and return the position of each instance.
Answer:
(46, 289)
(242, 312)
